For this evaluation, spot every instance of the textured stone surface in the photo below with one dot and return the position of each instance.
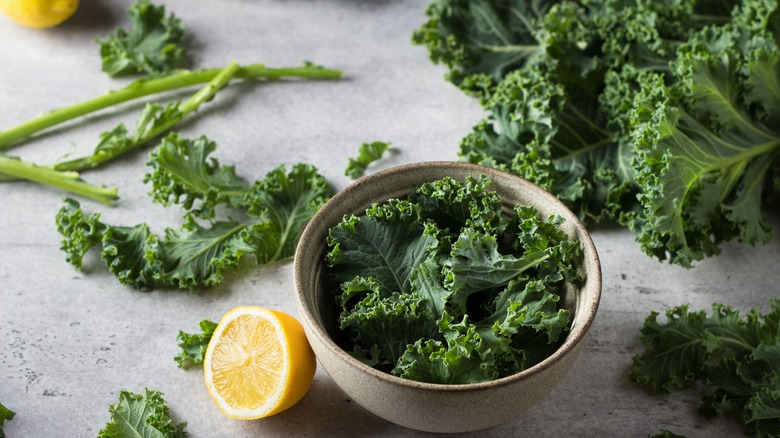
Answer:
(70, 341)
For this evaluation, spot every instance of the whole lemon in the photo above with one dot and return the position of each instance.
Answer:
(39, 13)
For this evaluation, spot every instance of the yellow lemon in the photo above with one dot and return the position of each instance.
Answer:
(39, 13)
(258, 363)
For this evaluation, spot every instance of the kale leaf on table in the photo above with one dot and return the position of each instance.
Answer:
(193, 345)
(442, 287)
(735, 358)
(659, 115)
(141, 415)
(153, 44)
(367, 154)
(196, 255)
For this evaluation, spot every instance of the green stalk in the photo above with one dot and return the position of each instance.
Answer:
(145, 87)
(69, 181)
(205, 94)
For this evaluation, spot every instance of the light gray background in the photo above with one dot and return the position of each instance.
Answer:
(70, 341)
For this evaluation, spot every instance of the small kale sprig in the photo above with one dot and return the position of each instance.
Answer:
(153, 44)
(196, 255)
(441, 287)
(367, 154)
(193, 345)
(141, 415)
(735, 358)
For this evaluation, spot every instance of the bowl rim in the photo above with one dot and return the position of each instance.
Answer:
(572, 340)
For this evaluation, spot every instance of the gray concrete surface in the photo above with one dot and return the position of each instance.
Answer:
(70, 341)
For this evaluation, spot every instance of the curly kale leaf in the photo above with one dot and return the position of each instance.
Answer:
(183, 173)
(482, 41)
(193, 345)
(704, 158)
(142, 415)
(367, 154)
(427, 282)
(284, 202)
(153, 44)
(556, 137)
(386, 245)
(387, 325)
(454, 204)
(5, 415)
(528, 305)
(80, 232)
(196, 255)
(476, 265)
(734, 357)
(462, 358)
(132, 255)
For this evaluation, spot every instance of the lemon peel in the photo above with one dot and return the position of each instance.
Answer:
(39, 13)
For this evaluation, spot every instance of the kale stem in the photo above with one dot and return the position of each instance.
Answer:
(154, 85)
(187, 107)
(69, 181)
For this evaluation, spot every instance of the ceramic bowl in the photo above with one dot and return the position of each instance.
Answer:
(426, 406)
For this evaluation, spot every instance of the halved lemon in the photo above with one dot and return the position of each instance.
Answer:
(258, 363)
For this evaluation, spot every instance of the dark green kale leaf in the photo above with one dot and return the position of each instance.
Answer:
(193, 345)
(534, 307)
(141, 415)
(183, 173)
(80, 232)
(453, 204)
(197, 255)
(283, 202)
(387, 325)
(153, 44)
(482, 41)
(5, 415)
(367, 154)
(476, 265)
(385, 244)
(427, 282)
(132, 255)
(191, 257)
(704, 157)
(462, 358)
(734, 357)
(556, 137)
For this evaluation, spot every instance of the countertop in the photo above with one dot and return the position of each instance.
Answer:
(70, 341)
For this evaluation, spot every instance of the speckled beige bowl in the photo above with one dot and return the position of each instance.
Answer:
(426, 406)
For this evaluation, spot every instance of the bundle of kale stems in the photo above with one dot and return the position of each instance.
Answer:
(660, 115)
